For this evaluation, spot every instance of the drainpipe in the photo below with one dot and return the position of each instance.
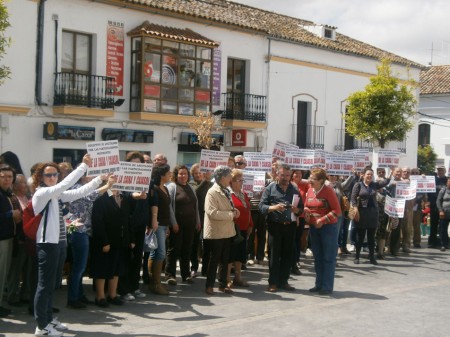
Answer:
(39, 53)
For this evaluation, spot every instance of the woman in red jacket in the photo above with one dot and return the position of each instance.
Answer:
(245, 223)
(322, 210)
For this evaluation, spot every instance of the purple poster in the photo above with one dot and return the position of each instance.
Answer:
(217, 62)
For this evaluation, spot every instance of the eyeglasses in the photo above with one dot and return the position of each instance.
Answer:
(50, 175)
(240, 163)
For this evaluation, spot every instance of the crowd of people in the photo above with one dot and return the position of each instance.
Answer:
(120, 238)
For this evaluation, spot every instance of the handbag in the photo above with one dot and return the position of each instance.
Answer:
(352, 211)
(345, 204)
(150, 241)
(238, 238)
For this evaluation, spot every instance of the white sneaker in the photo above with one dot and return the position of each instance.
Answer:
(49, 330)
(139, 294)
(58, 325)
(309, 253)
(129, 297)
(250, 262)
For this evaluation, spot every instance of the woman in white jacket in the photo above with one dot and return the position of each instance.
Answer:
(51, 243)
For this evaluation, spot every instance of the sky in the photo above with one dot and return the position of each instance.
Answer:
(418, 30)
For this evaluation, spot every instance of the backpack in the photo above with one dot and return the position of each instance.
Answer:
(31, 221)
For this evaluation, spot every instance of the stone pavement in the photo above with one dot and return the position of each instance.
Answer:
(403, 296)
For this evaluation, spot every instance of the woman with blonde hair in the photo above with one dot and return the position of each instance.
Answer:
(244, 224)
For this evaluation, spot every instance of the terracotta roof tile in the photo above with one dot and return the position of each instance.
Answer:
(269, 23)
(184, 35)
(435, 80)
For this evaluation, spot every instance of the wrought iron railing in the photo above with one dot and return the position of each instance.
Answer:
(84, 90)
(245, 107)
(309, 136)
(346, 142)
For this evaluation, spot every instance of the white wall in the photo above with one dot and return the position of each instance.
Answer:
(280, 84)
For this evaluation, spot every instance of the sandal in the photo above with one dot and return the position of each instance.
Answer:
(240, 283)
(226, 290)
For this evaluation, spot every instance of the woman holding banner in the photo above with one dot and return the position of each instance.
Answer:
(364, 201)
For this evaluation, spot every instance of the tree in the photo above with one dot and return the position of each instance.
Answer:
(383, 111)
(426, 159)
(204, 124)
(4, 40)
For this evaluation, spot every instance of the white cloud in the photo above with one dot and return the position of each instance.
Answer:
(404, 27)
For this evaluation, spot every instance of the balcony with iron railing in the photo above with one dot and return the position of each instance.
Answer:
(244, 107)
(309, 136)
(345, 141)
(89, 91)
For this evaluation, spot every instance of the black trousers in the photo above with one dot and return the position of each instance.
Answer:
(360, 234)
(219, 254)
(259, 231)
(179, 246)
(281, 249)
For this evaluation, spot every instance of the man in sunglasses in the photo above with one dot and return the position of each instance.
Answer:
(240, 162)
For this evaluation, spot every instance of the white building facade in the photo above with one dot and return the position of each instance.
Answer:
(138, 71)
(434, 112)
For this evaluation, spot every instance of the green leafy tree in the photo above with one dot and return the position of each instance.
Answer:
(382, 112)
(426, 159)
(4, 40)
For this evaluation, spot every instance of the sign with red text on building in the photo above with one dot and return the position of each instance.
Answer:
(238, 137)
(115, 44)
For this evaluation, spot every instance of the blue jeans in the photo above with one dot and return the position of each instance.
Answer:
(160, 253)
(324, 248)
(343, 233)
(340, 224)
(80, 252)
(48, 258)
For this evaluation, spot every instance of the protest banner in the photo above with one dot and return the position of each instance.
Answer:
(279, 149)
(258, 161)
(249, 181)
(425, 184)
(210, 159)
(405, 190)
(339, 164)
(394, 207)
(299, 159)
(360, 157)
(133, 177)
(388, 158)
(105, 157)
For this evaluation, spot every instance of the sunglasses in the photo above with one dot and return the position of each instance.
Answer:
(50, 175)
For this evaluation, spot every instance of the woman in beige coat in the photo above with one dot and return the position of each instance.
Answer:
(219, 228)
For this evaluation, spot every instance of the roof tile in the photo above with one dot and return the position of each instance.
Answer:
(272, 24)
(435, 80)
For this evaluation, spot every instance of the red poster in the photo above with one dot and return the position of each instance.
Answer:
(239, 137)
(202, 96)
(114, 54)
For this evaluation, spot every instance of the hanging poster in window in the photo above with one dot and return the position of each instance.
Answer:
(114, 54)
(217, 63)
